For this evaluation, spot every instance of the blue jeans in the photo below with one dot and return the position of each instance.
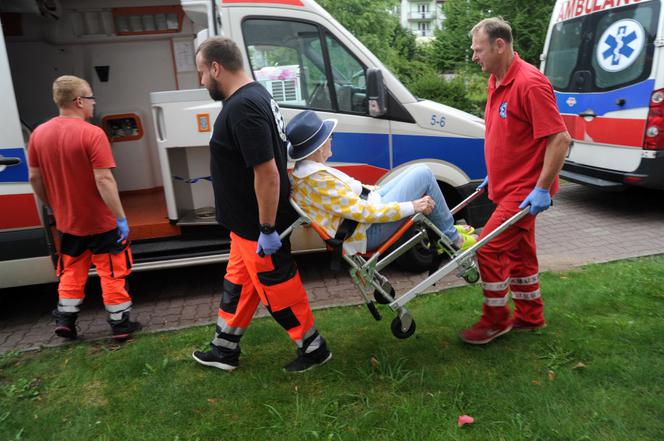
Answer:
(412, 184)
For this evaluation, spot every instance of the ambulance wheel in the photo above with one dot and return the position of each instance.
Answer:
(381, 299)
(417, 259)
(398, 332)
(472, 276)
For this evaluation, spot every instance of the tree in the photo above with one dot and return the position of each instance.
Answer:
(529, 20)
(372, 24)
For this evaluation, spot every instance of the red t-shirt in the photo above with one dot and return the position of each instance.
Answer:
(66, 150)
(520, 114)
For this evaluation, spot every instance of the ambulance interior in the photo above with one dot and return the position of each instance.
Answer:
(125, 50)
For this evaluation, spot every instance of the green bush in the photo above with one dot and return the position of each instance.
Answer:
(463, 91)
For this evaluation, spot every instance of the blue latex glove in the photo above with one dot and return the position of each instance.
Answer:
(484, 183)
(268, 243)
(539, 200)
(123, 229)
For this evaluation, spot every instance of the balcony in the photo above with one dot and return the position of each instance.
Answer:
(419, 15)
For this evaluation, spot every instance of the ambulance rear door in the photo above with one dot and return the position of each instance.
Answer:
(602, 63)
(25, 258)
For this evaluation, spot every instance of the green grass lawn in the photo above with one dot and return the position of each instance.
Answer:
(595, 373)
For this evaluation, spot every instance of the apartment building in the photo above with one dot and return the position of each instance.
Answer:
(421, 17)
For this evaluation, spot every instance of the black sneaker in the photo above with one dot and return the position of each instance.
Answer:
(224, 359)
(122, 329)
(304, 361)
(65, 324)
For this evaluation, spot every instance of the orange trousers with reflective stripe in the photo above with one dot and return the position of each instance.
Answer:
(510, 255)
(112, 261)
(273, 280)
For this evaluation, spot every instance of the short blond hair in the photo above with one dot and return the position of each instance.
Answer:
(66, 88)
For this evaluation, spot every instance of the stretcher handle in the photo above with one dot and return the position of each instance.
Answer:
(489, 237)
(454, 263)
(468, 200)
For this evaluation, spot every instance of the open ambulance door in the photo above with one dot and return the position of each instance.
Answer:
(206, 14)
(25, 256)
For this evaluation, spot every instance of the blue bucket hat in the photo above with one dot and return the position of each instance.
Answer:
(306, 133)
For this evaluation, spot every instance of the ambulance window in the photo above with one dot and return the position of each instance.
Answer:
(286, 57)
(563, 52)
(350, 79)
(622, 50)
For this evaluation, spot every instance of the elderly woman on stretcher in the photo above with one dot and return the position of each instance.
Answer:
(329, 196)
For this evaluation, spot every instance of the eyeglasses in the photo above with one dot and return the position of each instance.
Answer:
(91, 97)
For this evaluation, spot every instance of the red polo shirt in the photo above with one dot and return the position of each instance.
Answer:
(66, 150)
(520, 114)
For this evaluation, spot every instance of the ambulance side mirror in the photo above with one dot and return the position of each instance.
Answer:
(376, 96)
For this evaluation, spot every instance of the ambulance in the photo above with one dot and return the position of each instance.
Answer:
(604, 60)
(138, 56)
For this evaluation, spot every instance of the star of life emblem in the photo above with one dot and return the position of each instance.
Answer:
(571, 101)
(620, 45)
(502, 110)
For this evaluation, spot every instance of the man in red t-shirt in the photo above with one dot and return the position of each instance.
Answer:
(70, 164)
(525, 147)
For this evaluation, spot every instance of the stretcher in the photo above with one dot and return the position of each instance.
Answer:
(374, 287)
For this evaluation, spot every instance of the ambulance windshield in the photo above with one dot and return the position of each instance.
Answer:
(603, 51)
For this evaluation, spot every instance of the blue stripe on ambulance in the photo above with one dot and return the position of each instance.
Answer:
(373, 149)
(15, 173)
(635, 96)
(362, 148)
(465, 153)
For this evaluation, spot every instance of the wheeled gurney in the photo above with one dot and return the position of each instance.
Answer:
(365, 268)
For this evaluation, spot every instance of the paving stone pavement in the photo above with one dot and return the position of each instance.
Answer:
(584, 226)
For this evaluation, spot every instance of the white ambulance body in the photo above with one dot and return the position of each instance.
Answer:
(138, 57)
(604, 59)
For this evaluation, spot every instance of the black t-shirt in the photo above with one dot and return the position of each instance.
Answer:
(248, 131)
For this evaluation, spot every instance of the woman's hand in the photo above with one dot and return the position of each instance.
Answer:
(424, 205)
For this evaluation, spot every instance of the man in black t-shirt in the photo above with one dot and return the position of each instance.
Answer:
(251, 190)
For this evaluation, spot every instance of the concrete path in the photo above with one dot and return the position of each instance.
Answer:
(584, 226)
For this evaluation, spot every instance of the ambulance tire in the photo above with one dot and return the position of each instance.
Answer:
(418, 259)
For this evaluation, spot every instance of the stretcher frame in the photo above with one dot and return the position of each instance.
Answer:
(365, 268)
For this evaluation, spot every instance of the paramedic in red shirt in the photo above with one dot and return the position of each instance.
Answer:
(525, 147)
(70, 164)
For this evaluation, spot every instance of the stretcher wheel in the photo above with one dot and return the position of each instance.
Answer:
(472, 275)
(381, 299)
(396, 328)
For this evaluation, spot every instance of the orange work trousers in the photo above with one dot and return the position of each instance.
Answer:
(273, 280)
(509, 263)
(113, 262)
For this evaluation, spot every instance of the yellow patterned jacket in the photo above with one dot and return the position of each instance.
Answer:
(328, 196)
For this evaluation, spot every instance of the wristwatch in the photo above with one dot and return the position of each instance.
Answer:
(267, 228)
